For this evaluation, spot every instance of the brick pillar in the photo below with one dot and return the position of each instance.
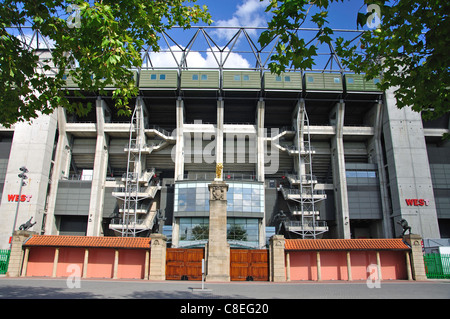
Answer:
(16, 256)
(418, 265)
(158, 246)
(277, 259)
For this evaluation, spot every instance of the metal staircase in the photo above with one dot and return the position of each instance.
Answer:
(136, 197)
(302, 197)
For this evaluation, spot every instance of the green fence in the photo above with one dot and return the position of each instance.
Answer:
(437, 266)
(4, 260)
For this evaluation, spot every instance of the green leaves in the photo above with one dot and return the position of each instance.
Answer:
(409, 49)
(100, 51)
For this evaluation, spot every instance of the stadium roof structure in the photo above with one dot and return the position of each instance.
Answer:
(216, 48)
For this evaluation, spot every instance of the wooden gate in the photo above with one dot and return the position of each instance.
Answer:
(184, 264)
(252, 265)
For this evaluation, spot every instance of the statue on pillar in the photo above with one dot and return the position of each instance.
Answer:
(405, 226)
(219, 168)
(27, 225)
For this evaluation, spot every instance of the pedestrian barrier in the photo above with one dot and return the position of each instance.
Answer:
(437, 266)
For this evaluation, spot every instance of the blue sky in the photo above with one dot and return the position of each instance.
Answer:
(248, 13)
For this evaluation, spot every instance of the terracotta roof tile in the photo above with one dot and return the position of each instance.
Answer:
(88, 241)
(345, 244)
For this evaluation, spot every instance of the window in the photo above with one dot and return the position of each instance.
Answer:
(278, 78)
(310, 79)
(162, 76)
(287, 79)
(86, 174)
(361, 174)
(337, 80)
(152, 76)
(375, 81)
(64, 77)
(246, 78)
(204, 77)
(350, 80)
(237, 77)
(195, 77)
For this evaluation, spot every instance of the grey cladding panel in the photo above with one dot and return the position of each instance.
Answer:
(73, 198)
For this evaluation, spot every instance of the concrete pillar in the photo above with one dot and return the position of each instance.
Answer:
(158, 246)
(25, 262)
(219, 132)
(147, 264)
(218, 259)
(380, 276)
(288, 267)
(375, 150)
(60, 170)
(179, 146)
(85, 262)
(277, 259)
(116, 263)
(408, 266)
(319, 268)
(55, 262)
(349, 267)
(339, 176)
(99, 174)
(260, 109)
(409, 169)
(32, 147)
(418, 265)
(16, 255)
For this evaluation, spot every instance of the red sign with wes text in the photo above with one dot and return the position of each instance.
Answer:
(417, 202)
(15, 198)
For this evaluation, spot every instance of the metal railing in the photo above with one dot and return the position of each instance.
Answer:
(437, 266)
(4, 260)
(307, 224)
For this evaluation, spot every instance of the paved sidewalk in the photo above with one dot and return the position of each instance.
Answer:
(58, 288)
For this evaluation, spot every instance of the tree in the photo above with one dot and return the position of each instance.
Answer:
(95, 43)
(408, 48)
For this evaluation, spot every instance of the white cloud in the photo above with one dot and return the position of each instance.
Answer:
(196, 60)
(249, 14)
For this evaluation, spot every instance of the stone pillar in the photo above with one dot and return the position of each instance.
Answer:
(218, 259)
(158, 246)
(16, 255)
(418, 265)
(277, 259)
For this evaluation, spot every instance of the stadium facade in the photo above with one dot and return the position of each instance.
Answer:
(308, 154)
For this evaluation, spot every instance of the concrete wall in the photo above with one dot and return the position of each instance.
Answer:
(409, 170)
(32, 147)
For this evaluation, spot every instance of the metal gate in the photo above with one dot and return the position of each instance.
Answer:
(184, 264)
(4, 260)
(250, 265)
